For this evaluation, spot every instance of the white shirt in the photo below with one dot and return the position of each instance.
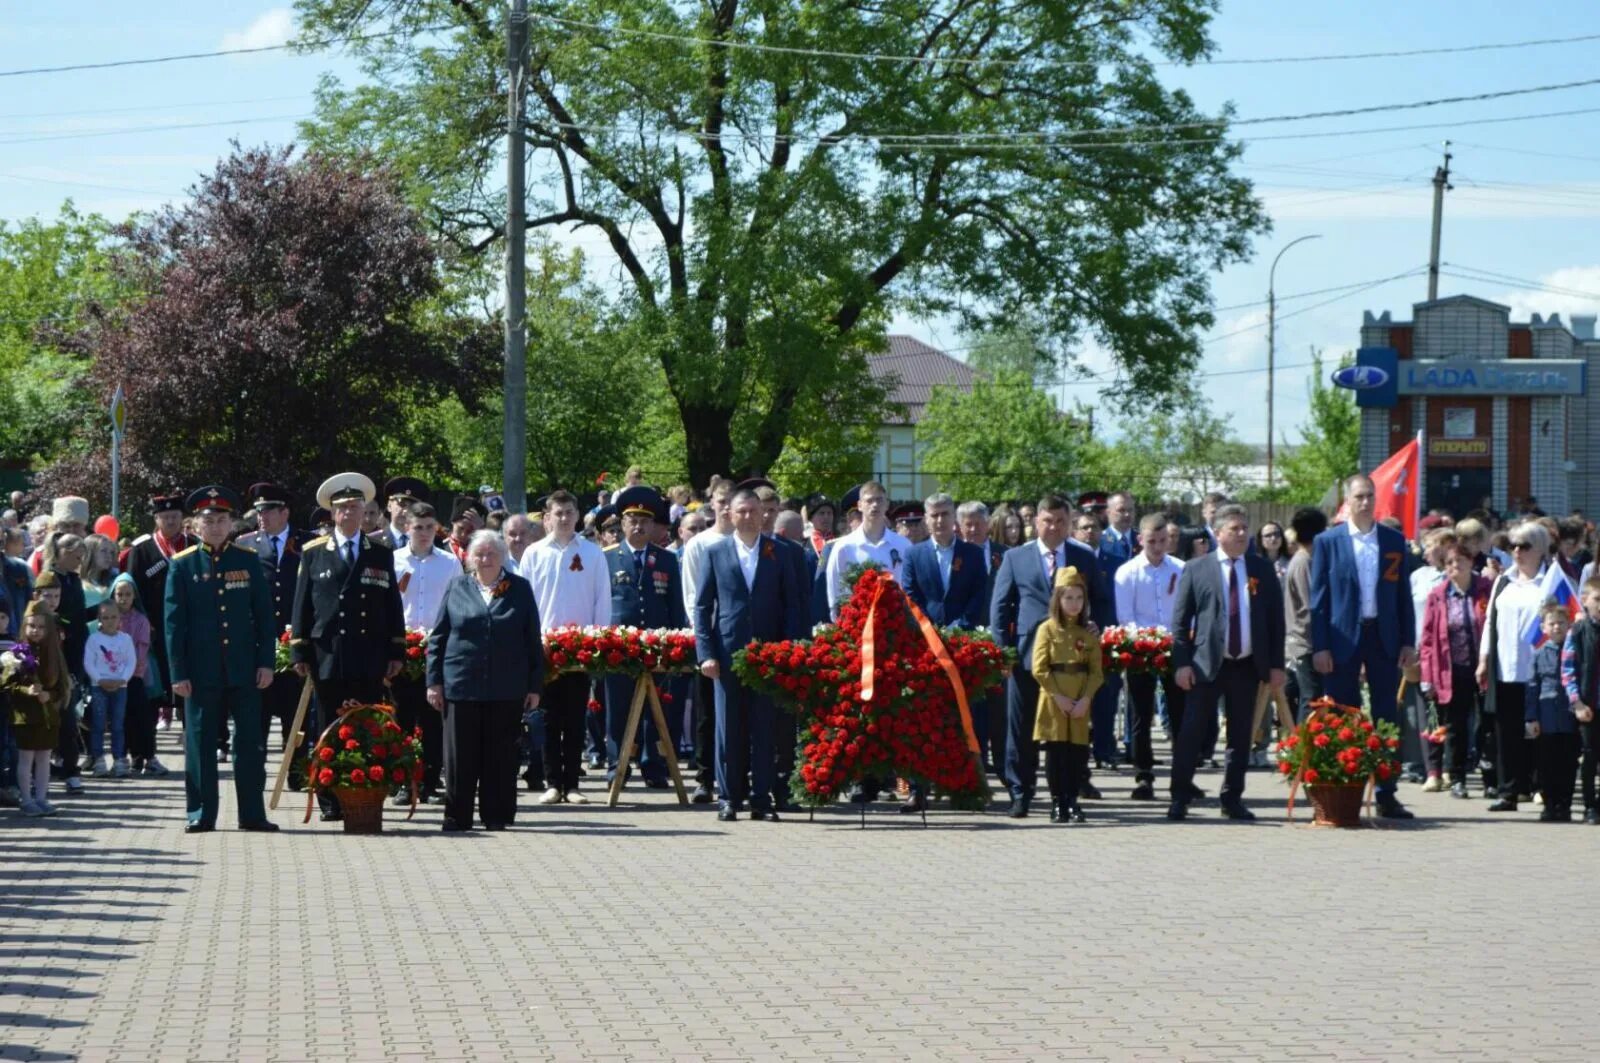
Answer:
(1044, 562)
(485, 593)
(422, 581)
(1145, 592)
(694, 553)
(1237, 563)
(854, 549)
(339, 539)
(1515, 609)
(748, 556)
(109, 657)
(1366, 551)
(571, 584)
(1423, 581)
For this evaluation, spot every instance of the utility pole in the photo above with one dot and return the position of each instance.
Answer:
(1272, 339)
(1441, 185)
(514, 478)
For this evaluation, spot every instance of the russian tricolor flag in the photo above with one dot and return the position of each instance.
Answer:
(1557, 588)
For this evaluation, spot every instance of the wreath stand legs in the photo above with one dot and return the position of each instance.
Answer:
(644, 689)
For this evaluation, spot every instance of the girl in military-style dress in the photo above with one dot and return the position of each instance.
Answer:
(1066, 662)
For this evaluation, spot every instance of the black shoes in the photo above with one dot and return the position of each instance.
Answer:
(727, 814)
(764, 813)
(1591, 816)
(1057, 813)
(1505, 804)
(1076, 814)
(199, 828)
(1178, 810)
(781, 803)
(701, 796)
(1389, 808)
(262, 827)
(1019, 809)
(1143, 792)
(1194, 793)
(331, 816)
(1236, 810)
(1088, 791)
(1458, 790)
(494, 826)
(914, 806)
(450, 826)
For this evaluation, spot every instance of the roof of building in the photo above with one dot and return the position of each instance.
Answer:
(910, 369)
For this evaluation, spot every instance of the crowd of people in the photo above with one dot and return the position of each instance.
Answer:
(1478, 638)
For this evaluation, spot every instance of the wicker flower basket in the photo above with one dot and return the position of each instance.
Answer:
(362, 807)
(1336, 805)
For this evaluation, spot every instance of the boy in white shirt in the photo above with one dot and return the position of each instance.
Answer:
(108, 660)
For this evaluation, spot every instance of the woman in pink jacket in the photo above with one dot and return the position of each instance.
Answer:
(1452, 623)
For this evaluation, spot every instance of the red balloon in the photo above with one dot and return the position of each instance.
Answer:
(107, 525)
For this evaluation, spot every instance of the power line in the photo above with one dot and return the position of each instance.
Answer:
(152, 107)
(90, 134)
(1516, 282)
(287, 45)
(935, 60)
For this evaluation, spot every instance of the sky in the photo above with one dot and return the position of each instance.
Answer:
(1525, 206)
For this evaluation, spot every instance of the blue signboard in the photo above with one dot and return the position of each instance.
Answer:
(1380, 376)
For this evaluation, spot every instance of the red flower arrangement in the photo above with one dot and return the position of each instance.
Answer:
(891, 713)
(1339, 745)
(415, 664)
(619, 650)
(1133, 650)
(282, 654)
(364, 749)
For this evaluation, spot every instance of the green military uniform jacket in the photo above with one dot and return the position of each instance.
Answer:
(219, 617)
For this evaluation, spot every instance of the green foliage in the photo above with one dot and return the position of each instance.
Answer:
(1016, 350)
(50, 272)
(1003, 439)
(1189, 450)
(767, 212)
(1330, 440)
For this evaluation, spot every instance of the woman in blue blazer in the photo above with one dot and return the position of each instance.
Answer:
(485, 666)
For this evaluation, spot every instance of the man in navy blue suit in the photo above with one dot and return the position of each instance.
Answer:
(1020, 604)
(1362, 614)
(746, 593)
(947, 579)
(973, 520)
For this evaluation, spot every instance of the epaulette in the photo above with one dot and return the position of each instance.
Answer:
(141, 539)
(186, 551)
(318, 541)
(613, 546)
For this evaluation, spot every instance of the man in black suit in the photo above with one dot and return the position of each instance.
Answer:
(973, 520)
(1020, 604)
(348, 633)
(279, 548)
(1227, 638)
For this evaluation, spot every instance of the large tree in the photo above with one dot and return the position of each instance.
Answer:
(1002, 439)
(770, 192)
(286, 322)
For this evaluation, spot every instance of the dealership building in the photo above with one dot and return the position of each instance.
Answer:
(1503, 406)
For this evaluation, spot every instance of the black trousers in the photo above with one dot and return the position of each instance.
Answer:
(1558, 768)
(1309, 682)
(1589, 743)
(1235, 687)
(412, 711)
(784, 745)
(279, 702)
(1066, 766)
(705, 731)
(566, 710)
(330, 694)
(1142, 705)
(994, 707)
(140, 726)
(1455, 716)
(1510, 743)
(480, 756)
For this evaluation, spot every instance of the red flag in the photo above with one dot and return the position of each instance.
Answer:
(1399, 493)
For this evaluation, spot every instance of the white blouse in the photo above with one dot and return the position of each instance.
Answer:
(1516, 608)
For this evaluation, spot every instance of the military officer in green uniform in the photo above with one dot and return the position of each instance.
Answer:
(220, 631)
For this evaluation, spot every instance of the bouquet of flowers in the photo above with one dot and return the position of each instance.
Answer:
(619, 650)
(365, 750)
(18, 665)
(282, 657)
(1340, 745)
(415, 665)
(1134, 650)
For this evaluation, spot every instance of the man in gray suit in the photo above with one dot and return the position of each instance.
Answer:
(1227, 638)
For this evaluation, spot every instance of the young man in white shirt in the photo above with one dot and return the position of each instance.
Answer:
(1145, 587)
(423, 571)
(872, 541)
(571, 584)
(705, 714)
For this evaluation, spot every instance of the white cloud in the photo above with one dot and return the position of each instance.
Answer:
(269, 30)
(1581, 295)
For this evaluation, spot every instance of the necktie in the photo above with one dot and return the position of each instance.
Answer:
(1235, 635)
(350, 552)
(275, 555)
(1052, 569)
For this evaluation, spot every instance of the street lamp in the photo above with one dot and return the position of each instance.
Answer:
(1272, 339)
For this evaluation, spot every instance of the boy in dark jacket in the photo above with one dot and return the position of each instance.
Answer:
(1581, 679)
(1550, 718)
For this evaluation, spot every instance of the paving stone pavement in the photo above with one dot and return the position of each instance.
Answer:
(656, 933)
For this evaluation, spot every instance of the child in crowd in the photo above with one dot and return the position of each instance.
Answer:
(10, 795)
(1550, 720)
(36, 703)
(1066, 663)
(1580, 677)
(141, 712)
(109, 660)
